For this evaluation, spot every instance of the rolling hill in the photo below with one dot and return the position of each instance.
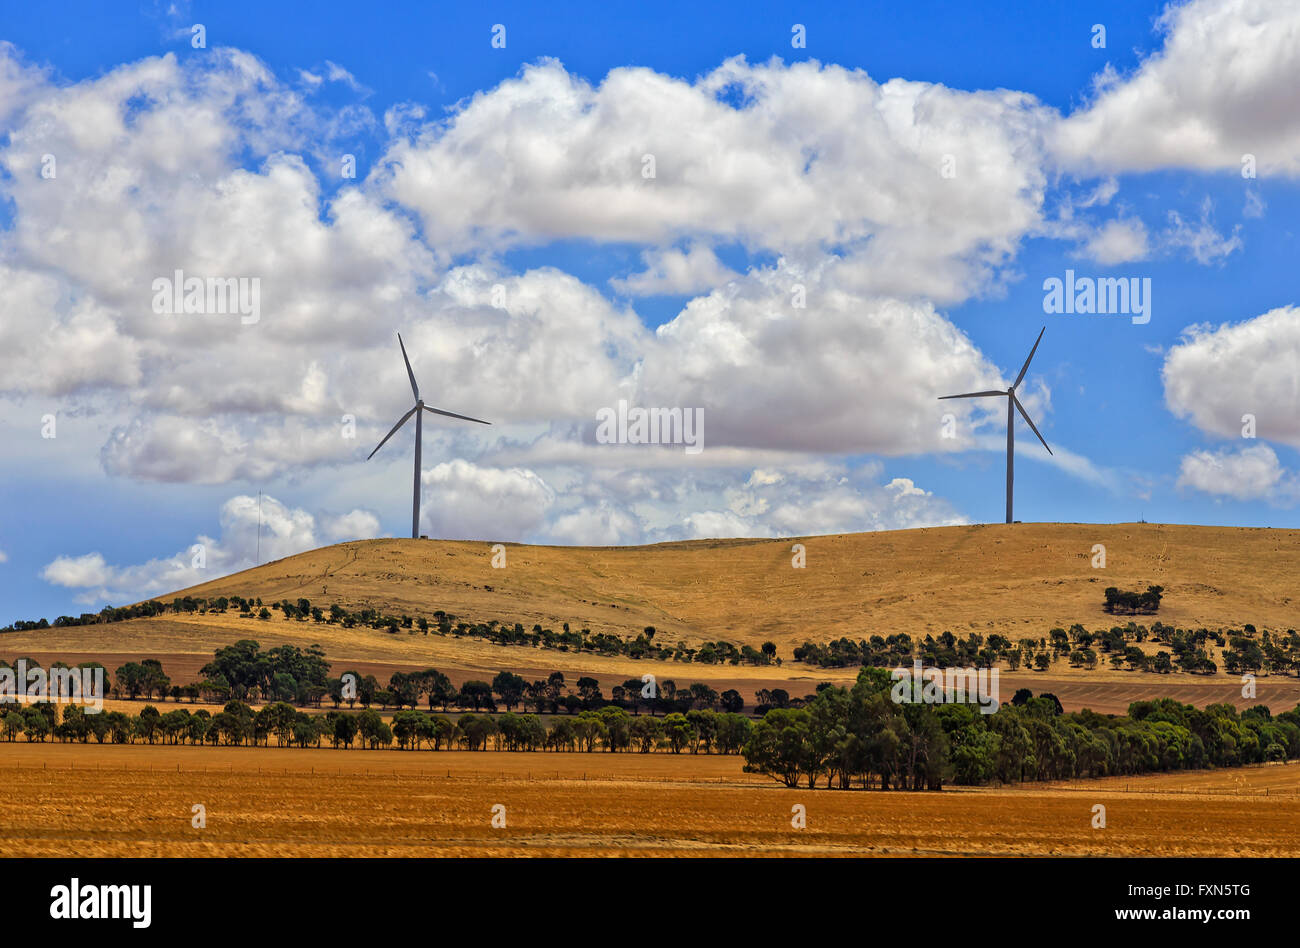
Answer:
(1013, 579)
(1018, 580)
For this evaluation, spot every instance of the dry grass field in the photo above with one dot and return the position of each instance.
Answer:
(1016, 580)
(1012, 579)
(136, 800)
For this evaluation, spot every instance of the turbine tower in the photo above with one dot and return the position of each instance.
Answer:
(1012, 402)
(419, 428)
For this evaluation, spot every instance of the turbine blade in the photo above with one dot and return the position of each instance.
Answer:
(415, 389)
(1025, 415)
(452, 414)
(401, 421)
(971, 395)
(1025, 368)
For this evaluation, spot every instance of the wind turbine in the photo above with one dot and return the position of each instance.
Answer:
(419, 428)
(1012, 401)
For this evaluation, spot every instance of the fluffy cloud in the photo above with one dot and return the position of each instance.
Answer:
(793, 500)
(873, 204)
(1219, 88)
(246, 527)
(152, 151)
(676, 272)
(1202, 241)
(794, 159)
(20, 82)
(1118, 241)
(1216, 375)
(464, 501)
(52, 343)
(844, 374)
(354, 525)
(603, 524)
(1252, 473)
(814, 500)
(77, 571)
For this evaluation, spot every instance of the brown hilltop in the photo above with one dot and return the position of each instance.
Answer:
(1019, 580)
(1013, 579)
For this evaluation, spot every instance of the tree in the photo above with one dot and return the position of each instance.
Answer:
(14, 723)
(618, 735)
(147, 724)
(405, 689)
(632, 693)
(372, 729)
(733, 732)
(173, 725)
(129, 679)
(196, 727)
(645, 733)
(476, 730)
(587, 729)
(278, 720)
(678, 732)
(510, 687)
(406, 729)
(437, 687)
(589, 692)
(478, 693)
(153, 681)
(345, 730)
(776, 746)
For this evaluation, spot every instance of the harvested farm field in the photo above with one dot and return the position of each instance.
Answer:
(138, 800)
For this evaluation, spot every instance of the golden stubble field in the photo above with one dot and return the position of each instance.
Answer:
(65, 800)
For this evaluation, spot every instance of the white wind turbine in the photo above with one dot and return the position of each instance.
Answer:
(1012, 402)
(419, 429)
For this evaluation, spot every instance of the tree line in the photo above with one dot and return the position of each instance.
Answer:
(1187, 650)
(862, 737)
(843, 738)
(246, 672)
(641, 646)
(610, 729)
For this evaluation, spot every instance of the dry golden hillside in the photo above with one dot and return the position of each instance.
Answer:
(1013, 579)
(1017, 580)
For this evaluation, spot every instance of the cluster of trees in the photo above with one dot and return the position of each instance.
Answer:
(283, 673)
(143, 678)
(892, 651)
(1122, 602)
(860, 736)
(1276, 652)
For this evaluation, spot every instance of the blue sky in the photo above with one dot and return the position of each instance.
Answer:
(520, 167)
